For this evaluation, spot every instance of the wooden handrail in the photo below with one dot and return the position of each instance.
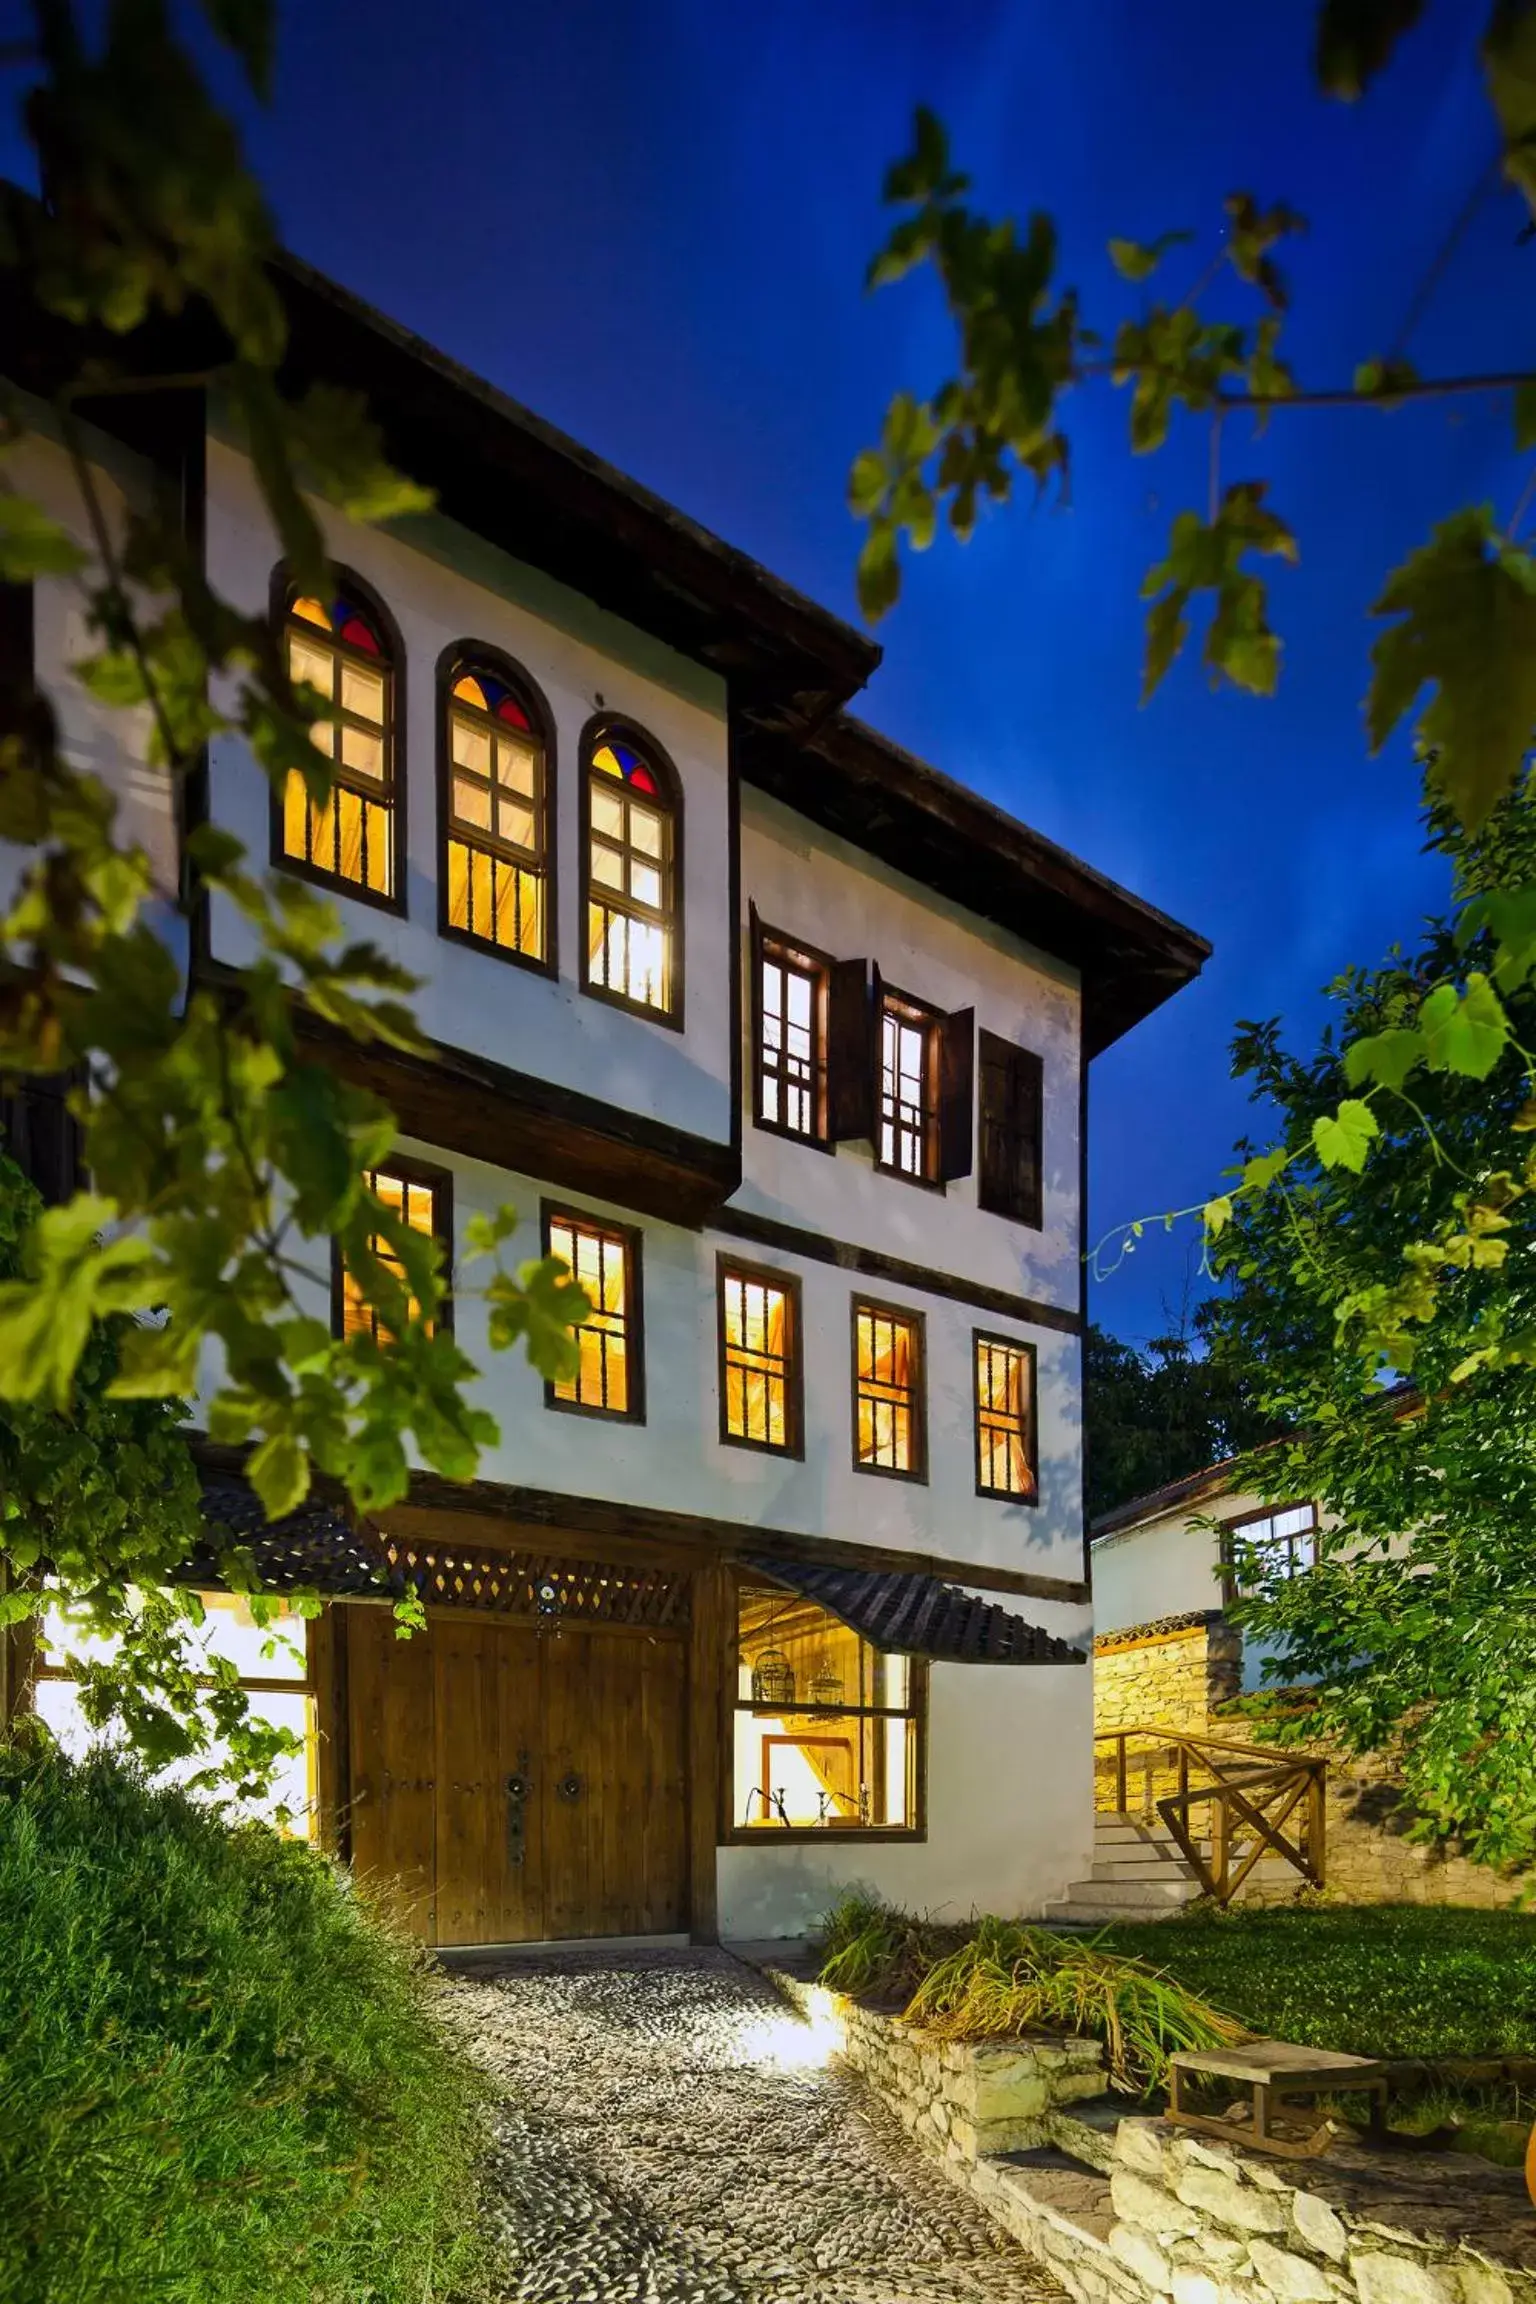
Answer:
(1249, 1802)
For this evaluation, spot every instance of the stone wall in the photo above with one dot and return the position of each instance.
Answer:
(1171, 1674)
(1180, 1673)
(962, 2101)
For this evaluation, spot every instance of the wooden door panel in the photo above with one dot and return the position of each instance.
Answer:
(575, 1694)
(391, 1739)
(663, 1795)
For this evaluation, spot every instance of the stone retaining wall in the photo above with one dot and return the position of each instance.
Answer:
(1165, 2217)
(962, 2101)
(1171, 1674)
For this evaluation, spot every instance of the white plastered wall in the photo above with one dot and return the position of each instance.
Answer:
(441, 585)
(1010, 1813)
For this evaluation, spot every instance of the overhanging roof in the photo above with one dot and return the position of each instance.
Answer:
(870, 792)
(317, 1545)
(908, 1615)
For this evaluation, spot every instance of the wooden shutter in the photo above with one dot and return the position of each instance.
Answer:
(1012, 1117)
(18, 673)
(43, 1136)
(957, 1088)
(850, 1052)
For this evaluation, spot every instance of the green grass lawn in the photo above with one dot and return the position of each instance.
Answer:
(1372, 1980)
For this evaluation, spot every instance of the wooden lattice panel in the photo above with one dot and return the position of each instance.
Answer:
(532, 1584)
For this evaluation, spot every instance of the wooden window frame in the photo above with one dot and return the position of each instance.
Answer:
(629, 1237)
(1232, 1529)
(732, 1833)
(729, 1267)
(985, 1337)
(993, 1051)
(283, 592)
(439, 1182)
(807, 960)
(455, 661)
(599, 731)
(930, 1022)
(917, 1474)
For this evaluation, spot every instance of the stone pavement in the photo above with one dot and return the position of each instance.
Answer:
(672, 2134)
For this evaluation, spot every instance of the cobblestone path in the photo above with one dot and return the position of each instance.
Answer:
(671, 2136)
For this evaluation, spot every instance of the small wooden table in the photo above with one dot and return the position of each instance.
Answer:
(1273, 2071)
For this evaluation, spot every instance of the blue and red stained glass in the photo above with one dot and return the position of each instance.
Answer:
(621, 760)
(493, 696)
(343, 620)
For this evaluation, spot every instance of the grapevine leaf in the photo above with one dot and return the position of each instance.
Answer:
(1355, 39)
(1465, 605)
(1387, 1057)
(1218, 1214)
(1465, 1033)
(1342, 1140)
(1135, 260)
(32, 544)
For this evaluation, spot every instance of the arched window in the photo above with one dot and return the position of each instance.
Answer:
(339, 647)
(634, 860)
(497, 829)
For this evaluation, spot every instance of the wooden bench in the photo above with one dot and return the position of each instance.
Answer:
(1272, 2072)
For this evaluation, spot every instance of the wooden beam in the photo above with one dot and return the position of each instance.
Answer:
(710, 1630)
(874, 1264)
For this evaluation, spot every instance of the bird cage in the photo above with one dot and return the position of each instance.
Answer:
(826, 1683)
(773, 1678)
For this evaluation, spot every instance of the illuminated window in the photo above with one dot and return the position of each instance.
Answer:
(632, 876)
(269, 1661)
(1270, 1545)
(791, 997)
(1005, 1418)
(827, 1728)
(605, 1261)
(889, 1431)
(497, 832)
(908, 1118)
(415, 1199)
(337, 648)
(759, 1358)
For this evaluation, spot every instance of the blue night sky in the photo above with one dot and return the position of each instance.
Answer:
(649, 220)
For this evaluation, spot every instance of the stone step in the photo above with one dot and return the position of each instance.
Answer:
(1177, 1888)
(1132, 1868)
(1085, 2131)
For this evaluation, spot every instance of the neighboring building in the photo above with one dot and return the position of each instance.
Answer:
(1166, 1655)
(787, 1589)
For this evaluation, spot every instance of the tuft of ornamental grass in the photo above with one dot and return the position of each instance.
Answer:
(222, 2078)
(998, 1979)
(1009, 1978)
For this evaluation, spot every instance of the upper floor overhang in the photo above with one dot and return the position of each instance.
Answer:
(858, 784)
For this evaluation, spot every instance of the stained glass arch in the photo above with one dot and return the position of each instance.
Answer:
(342, 643)
(632, 846)
(497, 817)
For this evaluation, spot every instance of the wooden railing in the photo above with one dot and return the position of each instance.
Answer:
(1225, 1804)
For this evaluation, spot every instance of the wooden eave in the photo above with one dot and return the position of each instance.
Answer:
(857, 784)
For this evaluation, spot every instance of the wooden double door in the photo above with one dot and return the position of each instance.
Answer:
(514, 1785)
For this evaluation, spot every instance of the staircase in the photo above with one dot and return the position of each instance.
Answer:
(1138, 1874)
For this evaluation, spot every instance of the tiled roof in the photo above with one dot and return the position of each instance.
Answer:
(911, 1615)
(317, 1545)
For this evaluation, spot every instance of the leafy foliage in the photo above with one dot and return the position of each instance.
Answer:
(1366, 1980)
(221, 2075)
(230, 1155)
(1417, 1627)
(1156, 1415)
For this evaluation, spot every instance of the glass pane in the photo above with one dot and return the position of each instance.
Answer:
(515, 824)
(644, 830)
(607, 812)
(645, 884)
(362, 753)
(471, 747)
(313, 667)
(231, 1632)
(607, 866)
(362, 692)
(515, 766)
(472, 803)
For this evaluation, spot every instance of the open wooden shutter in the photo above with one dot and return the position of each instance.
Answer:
(957, 1087)
(850, 1053)
(1012, 1120)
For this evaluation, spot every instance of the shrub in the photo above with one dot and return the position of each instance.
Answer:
(221, 2076)
(999, 1978)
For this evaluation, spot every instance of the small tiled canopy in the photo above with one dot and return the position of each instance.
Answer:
(913, 1615)
(317, 1545)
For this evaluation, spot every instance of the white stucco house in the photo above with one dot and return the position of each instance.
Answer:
(782, 1038)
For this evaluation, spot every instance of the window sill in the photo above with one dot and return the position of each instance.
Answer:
(670, 1019)
(335, 885)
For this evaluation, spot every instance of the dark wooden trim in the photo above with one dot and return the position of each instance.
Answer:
(630, 1240)
(737, 1267)
(874, 1264)
(634, 1529)
(917, 1321)
(709, 1629)
(280, 588)
(1031, 1495)
(333, 1757)
(470, 1104)
(852, 1053)
(1082, 1288)
(598, 729)
(995, 1193)
(818, 965)
(439, 1182)
(462, 656)
(929, 1021)
(733, 908)
(956, 1123)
